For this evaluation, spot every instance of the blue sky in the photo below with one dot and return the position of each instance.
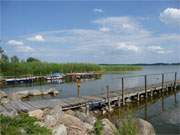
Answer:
(96, 31)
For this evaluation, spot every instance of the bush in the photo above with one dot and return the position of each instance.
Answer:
(98, 127)
(21, 125)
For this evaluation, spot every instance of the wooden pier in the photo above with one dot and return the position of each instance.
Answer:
(107, 99)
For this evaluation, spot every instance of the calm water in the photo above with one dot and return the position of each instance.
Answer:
(163, 114)
(95, 87)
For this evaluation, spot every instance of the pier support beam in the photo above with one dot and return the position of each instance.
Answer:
(145, 86)
(162, 85)
(122, 84)
(108, 98)
(87, 109)
(175, 78)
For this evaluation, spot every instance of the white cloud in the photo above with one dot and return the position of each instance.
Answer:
(127, 47)
(170, 16)
(125, 25)
(98, 10)
(158, 49)
(38, 38)
(19, 46)
(104, 29)
(15, 42)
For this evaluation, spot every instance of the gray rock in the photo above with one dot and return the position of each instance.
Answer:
(60, 130)
(2, 94)
(108, 127)
(57, 112)
(144, 127)
(85, 118)
(50, 121)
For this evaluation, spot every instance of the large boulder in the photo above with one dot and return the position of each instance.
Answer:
(60, 130)
(108, 127)
(50, 121)
(85, 118)
(36, 113)
(35, 93)
(144, 127)
(74, 125)
(53, 116)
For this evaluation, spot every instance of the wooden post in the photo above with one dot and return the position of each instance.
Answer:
(123, 101)
(119, 101)
(108, 98)
(87, 109)
(175, 78)
(145, 85)
(162, 89)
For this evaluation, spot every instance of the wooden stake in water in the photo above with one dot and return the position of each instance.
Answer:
(175, 78)
(162, 90)
(122, 81)
(145, 85)
(108, 98)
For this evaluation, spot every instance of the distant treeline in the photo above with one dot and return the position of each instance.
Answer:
(143, 64)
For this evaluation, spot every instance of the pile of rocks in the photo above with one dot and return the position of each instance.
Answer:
(78, 123)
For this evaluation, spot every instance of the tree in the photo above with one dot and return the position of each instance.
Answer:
(3, 56)
(31, 59)
(14, 59)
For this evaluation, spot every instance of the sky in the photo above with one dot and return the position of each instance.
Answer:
(118, 32)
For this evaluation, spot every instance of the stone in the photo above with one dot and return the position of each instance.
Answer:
(36, 113)
(74, 125)
(10, 112)
(144, 127)
(4, 100)
(2, 94)
(85, 118)
(57, 112)
(23, 94)
(50, 121)
(35, 93)
(108, 127)
(70, 112)
(59, 130)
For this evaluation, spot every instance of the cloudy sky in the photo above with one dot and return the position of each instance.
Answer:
(95, 32)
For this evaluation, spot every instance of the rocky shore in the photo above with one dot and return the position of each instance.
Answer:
(77, 122)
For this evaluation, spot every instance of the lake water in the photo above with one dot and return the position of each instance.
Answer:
(163, 115)
(96, 87)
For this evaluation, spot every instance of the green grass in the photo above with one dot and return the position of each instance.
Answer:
(128, 127)
(21, 125)
(42, 68)
(98, 127)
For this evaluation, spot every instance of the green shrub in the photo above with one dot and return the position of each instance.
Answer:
(21, 125)
(128, 127)
(98, 127)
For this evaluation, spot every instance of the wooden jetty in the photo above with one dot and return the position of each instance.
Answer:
(89, 75)
(108, 99)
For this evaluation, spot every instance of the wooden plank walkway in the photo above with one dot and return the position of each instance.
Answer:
(76, 102)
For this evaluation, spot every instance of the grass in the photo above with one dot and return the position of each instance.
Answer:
(128, 127)
(42, 68)
(21, 125)
(98, 127)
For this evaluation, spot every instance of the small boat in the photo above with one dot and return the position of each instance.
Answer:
(55, 76)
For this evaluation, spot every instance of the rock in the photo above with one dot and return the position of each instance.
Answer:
(35, 93)
(41, 124)
(89, 128)
(85, 118)
(74, 125)
(60, 130)
(23, 94)
(2, 94)
(50, 121)
(144, 127)
(10, 112)
(108, 127)
(4, 100)
(14, 96)
(70, 112)
(57, 112)
(36, 113)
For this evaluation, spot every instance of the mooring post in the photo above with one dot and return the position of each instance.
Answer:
(123, 101)
(145, 85)
(162, 89)
(175, 78)
(119, 101)
(108, 98)
(87, 109)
